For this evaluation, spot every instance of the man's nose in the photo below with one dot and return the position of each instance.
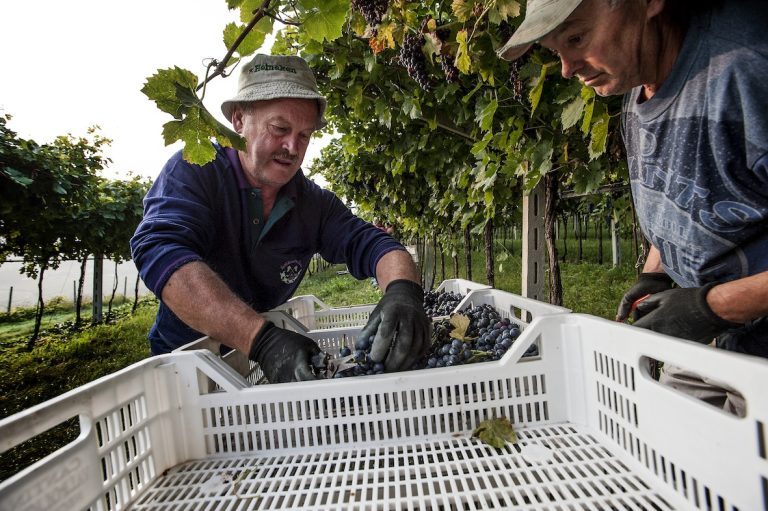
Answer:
(568, 66)
(291, 144)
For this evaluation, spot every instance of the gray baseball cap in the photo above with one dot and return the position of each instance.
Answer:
(273, 77)
(541, 18)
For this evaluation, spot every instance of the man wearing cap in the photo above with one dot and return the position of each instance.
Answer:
(222, 242)
(695, 123)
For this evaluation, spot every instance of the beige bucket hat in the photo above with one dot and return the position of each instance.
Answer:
(273, 77)
(541, 18)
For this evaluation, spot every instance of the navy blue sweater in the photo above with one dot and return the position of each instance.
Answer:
(195, 213)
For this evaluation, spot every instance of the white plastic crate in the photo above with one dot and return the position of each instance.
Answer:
(519, 309)
(330, 340)
(596, 433)
(314, 314)
(460, 286)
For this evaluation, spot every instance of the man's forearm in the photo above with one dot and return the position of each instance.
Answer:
(740, 300)
(653, 261)
(394, 265)
(198, 296)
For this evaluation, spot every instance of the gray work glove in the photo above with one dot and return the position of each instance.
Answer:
(683, 313)
(399, 326)
(283, 355)
(646, 284)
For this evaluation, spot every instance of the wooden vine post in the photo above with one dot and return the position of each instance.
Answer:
(533, 248)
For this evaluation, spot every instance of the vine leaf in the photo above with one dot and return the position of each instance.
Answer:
(503, 10)
(252, 41)
(598, 135)
(463, 62)
(173, 90)
(165, 86)
(462, 9)
(535, 94)
(588, 95)
(485, 117)
(323, 19)
(572, 113)
(460, 324)
(496, 432)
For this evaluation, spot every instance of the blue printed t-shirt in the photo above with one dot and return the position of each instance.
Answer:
(698, 150)
(212, 214)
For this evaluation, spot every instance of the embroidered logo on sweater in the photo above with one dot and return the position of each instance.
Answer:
(290, 271)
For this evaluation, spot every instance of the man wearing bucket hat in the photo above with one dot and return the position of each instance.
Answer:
(222, 242)
(695, 123)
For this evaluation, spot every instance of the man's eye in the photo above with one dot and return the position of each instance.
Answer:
(279, 129)
(573, 40)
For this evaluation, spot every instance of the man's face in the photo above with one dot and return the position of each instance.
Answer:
(608, 49)
(277, 133)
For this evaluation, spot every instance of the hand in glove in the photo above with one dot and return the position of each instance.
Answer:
(647, 284)
(684, 313)
(400, 326)
(283, 355)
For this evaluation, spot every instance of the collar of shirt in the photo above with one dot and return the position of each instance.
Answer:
(286, 199)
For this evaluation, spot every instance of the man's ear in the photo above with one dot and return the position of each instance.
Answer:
(654, 8)
(237, 119)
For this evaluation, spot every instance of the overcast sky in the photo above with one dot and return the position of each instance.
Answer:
(68, 65)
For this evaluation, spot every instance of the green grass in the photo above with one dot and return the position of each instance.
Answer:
(339, 290)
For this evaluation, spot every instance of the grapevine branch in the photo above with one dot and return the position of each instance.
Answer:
(221, 68)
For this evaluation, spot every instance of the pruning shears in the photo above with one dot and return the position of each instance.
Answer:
(327, 366)
(634, 305)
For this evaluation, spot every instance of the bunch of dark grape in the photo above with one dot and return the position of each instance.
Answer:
(441, 304)
(488, 337)
(494, 334)
(450, 70)
(414, 61)
(362, 357)
(442, 33)
(372, 10)
(517, 83)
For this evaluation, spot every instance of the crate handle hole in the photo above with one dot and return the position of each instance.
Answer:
(689, 382)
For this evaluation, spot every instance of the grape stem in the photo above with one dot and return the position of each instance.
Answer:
(221, 68)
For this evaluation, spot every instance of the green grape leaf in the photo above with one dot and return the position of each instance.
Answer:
(496, 432)
(323, 19)
(17, 177)
(463, 62)
(485, 117)
(253, 41)
(572, 113)
(588, 95)
(541, 157)
(462, 9)
(247, 8)
(163, 88)
(598, 136)
(196, 129)
(535, 93)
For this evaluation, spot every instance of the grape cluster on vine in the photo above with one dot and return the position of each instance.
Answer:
(414, 61)
(372, 10)
(449, 68)
(517, 83)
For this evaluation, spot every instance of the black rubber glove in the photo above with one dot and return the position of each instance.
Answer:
(400, 326)
(283, 355)
(684, 313)
(647, 284)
